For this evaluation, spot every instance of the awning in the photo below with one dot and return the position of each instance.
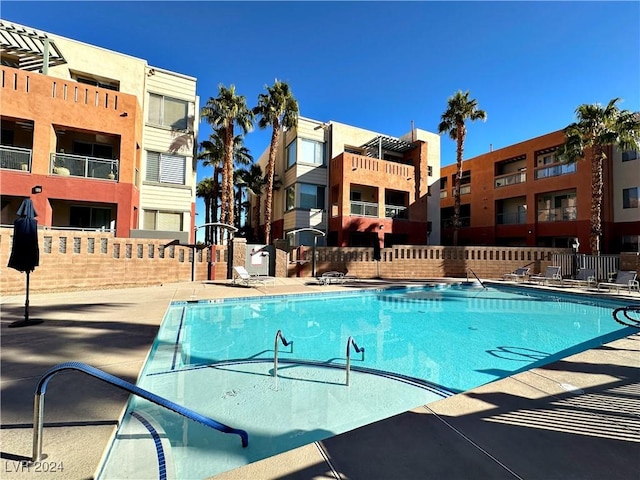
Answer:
(26, 49)
(389, 144)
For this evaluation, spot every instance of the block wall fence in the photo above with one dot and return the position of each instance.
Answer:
(73, 260)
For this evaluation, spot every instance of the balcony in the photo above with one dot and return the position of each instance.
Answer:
(511, 218)
(555, 170)
(465, 189)
(83, 166)
(510, 179)
(563, 214)
(443, 194)
(396, 211)
(14, 158)
(364, 209)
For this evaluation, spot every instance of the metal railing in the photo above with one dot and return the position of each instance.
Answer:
(279, 336)
(38, 411)
(510, 179)
(364, 209)
(563, 214)
(511, 218)
(603, 265)
(477, 278)
(555, 170)
(396, 211)
(15, 158)
(351, 342)
(83, 166)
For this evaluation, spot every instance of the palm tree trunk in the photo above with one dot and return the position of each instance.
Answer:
(207, 219)
(270, 170)
(596, 198)
(227, 202)
(456, 191)
(256, 218)
(215, 204)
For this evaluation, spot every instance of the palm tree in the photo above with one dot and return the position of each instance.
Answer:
(278, 109)
(459, 109)
(595, 129)
(223, 113)
(206, 191)
(254, 182)
(212, 154)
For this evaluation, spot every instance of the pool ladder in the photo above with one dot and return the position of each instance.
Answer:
(41, 389)
(280, 338)
(628, 320)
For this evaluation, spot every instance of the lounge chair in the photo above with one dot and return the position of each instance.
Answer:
(552, 273)
(242, 277)
(624, 279)
(518, 275)
(334, 277)
(585, 278)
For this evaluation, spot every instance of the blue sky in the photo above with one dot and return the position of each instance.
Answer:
(379, 65)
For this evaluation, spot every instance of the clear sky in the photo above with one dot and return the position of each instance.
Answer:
(379, 65)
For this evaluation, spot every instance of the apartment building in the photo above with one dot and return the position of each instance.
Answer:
(98, 139)
(522, 195)
(355, 186)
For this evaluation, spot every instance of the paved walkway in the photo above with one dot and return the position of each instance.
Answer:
(577, 418)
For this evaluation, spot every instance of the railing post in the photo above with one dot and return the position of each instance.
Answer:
(279, 336)
(38, 424)
(351, 341)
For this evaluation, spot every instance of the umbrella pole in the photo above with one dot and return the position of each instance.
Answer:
(26, 303)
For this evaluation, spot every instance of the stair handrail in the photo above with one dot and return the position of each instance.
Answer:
(41, 390)
(477, 278)
(351, 342)
(279, 336)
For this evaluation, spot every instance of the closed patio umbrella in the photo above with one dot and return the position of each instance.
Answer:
(25, 253)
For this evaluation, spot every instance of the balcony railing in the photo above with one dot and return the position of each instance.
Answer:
(465, 189)
(395, 211)
(15, 158)
(555, 170)
(511, 179)
(443, 194)
(82, 166)
(511, 218)
(364, 209)
(564, 214)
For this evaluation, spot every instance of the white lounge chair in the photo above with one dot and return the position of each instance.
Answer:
(624, 279)
(242, 277)
(585, 278)
(552, 273)
(518, 275)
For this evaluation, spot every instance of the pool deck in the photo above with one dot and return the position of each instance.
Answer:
(578, 418)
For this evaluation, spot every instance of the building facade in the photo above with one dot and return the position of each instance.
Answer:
(355, 186)
(521, 195)
(85, 133)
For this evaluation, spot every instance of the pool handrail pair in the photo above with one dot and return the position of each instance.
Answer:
(477, 278)
(279, 336)
(41, 389)
(628, 321)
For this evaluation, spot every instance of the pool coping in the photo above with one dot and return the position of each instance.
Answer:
(113, 330)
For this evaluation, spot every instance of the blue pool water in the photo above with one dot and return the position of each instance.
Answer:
(421, 344)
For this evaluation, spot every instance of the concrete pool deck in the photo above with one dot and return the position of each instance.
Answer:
(576, 418)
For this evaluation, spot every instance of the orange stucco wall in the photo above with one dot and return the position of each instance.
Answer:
(52, 102)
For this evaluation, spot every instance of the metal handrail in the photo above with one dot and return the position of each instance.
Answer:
(38, 411)
(279, 336)
(477, 278)
(350, 342)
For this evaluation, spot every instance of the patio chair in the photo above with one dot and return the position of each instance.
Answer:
(552, 273)
(242, 277)
(331, 277)
(518, 275)
(585, 278)
(624, 278)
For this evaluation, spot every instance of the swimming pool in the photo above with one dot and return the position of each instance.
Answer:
(421, 344)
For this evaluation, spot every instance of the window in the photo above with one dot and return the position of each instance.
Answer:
(429, 171)
(96, 82)
(290, 198)
(165, 168)
(630, 243)
(629, 155)
(95, 150)
(89, 217)
(311, 196)
(157, 220)
(168, 112)
(291, 154)
(311, 152)
(630, 197)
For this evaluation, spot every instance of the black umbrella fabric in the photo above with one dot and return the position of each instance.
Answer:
(25, 252)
